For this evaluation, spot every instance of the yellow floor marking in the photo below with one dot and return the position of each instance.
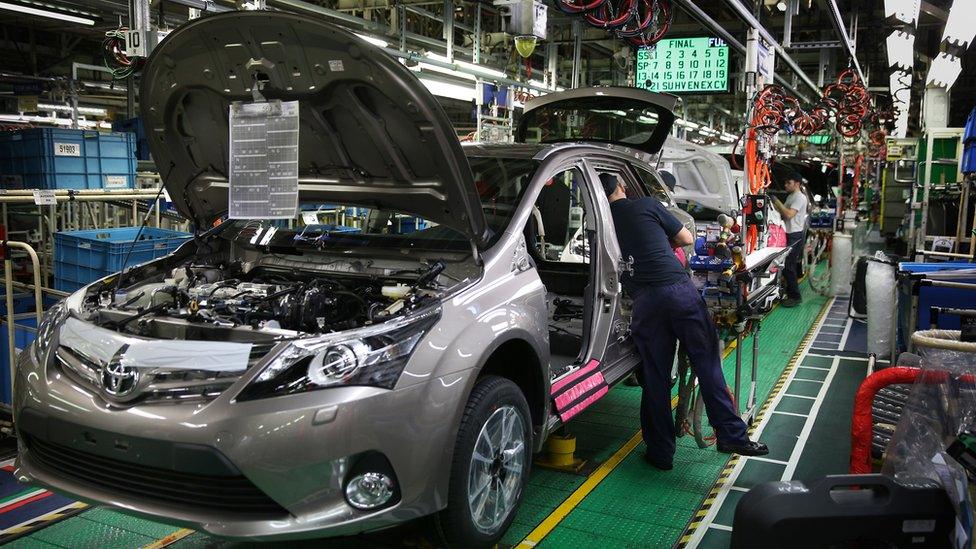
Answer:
(170, 539)
(596, 477)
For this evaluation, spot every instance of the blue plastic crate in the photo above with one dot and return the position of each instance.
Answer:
(134, 125)
(406, 225)
(312, 229)
(81, 257)
(25, 331)
(58, 158)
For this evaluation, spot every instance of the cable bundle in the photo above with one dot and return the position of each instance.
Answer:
(114, 46)
(639, 22)
(850, 101)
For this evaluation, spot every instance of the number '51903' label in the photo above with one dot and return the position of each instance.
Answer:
(67, 149)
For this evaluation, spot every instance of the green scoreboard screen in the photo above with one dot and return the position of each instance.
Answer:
(676, 65)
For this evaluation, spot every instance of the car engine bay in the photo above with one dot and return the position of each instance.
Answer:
(238, 295)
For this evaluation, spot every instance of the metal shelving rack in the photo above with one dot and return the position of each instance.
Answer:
(917, 237)
(82, 209)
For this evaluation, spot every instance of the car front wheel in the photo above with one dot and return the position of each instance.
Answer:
(492, 457)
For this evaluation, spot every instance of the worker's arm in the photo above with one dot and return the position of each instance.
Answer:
(784, 211)
(683, 238)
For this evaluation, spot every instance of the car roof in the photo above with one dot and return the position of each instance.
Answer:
(540, 151)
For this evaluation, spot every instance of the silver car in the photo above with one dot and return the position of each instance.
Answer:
(266, 382)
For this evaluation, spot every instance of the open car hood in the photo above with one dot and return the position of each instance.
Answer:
(370, 132)
(701, 175)
(631, 117)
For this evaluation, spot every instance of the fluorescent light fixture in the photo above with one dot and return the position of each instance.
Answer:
(960, 28)
(539, 84)
(60, 16)
(438, 69)
(944, 71)
(470, 68)
(687, 124)
(94, 111)
(451, 91)
(901, 50)
(905, 11)
(373, 40)
(53, 120)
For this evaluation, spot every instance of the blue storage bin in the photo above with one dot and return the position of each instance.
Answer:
(969, 132)
(25, 331)
(406, 225)
(313, 229)
(58, 158)
(81, 257)
(134, 126)
(969, 158)
(929, 296)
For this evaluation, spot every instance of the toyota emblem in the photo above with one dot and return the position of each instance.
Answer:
(119, 380)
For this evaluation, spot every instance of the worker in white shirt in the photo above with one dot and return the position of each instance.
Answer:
(794, 214)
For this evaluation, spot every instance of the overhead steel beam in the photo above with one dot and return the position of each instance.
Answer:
(695, 12)
(838, 21)
(743, 12)
(819, 45)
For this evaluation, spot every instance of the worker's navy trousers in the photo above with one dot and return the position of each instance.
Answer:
(664, 315)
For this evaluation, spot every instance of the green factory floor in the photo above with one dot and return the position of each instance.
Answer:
(618, 501)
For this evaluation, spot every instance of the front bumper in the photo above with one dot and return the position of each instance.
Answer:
(294, 452)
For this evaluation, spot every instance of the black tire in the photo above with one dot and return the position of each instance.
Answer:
(456, 524)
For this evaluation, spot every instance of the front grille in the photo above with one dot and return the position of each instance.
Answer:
(233, 495)
(163, 385)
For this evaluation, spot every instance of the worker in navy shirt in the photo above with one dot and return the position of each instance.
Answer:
(668, 309)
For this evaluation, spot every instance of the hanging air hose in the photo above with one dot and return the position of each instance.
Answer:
(639, 22)
(122, 66)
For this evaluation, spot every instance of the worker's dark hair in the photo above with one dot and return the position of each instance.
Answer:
(793, 176)
(609, 182)
(668, 179)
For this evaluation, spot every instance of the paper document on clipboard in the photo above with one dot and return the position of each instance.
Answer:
(263, 160)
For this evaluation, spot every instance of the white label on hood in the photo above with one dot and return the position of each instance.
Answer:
(101, 346)
(335, 65)
(263, 160)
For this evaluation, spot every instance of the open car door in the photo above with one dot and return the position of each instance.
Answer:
(629, 117)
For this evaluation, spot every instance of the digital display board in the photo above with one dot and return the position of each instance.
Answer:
(684, 65)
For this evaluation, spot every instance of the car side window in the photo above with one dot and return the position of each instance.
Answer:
(652, 187)
(556, 229)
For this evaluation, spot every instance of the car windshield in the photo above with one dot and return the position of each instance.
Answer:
(629, 121)
(697, 210)
(500, 183)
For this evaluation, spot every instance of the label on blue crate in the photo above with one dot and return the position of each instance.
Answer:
(116, 181)
(67, 149)
(263, 160)
(45, 198)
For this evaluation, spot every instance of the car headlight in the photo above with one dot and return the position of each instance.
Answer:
(374, 356)
(53, 318)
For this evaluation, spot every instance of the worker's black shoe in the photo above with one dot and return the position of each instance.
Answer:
(791, 302)
(658, 465)
(751, 448)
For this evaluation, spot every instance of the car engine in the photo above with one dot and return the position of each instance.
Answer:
(231, 296)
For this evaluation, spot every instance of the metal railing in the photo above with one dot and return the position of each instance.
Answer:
(8, 279)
